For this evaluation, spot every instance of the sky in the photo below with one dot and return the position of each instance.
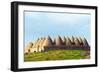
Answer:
(42, 24)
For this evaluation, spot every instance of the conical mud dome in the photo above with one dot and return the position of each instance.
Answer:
(81, 41)
(85, 43)
(35, 43)
(73, 40)
(64, 41)
(29, 46)
(47, 42)
(54, 42)
(38, 42)
(41, 42)
(59, 41)
(68, 41)
(77, 42)
(37, 47)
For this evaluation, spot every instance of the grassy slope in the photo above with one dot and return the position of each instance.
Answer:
(56, 55)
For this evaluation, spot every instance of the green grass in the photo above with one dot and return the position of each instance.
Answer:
(56, 55)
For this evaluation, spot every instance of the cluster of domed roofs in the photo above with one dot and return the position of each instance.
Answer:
(47, 43)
